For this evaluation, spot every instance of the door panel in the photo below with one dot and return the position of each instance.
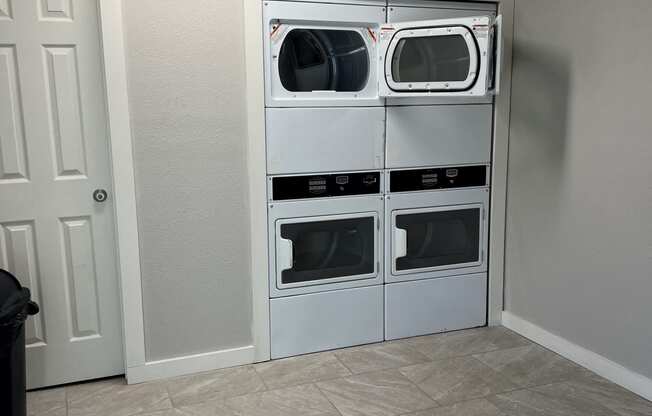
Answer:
(432, 59)
(54, 153)
(405, 14)
(426, 45)
(308, 140)
(329, 249)
(438, 238)
(405, 11)
(439, 135)
(435, 305)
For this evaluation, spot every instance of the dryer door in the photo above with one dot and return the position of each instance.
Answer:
(438, 238)
(440, 58)
(329, 249)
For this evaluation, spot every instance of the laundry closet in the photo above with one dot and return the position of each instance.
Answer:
(379, 131)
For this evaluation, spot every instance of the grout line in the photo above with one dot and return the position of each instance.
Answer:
(260, 376)
(327, 399)
(341, 362)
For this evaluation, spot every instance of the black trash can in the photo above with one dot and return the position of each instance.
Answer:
(15, 306)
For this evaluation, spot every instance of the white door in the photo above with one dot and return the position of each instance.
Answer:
(53, 155)
(457, 57)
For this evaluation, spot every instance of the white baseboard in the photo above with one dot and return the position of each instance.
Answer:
(155, 370)
(600, 365)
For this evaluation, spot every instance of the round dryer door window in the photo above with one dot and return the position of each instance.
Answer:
(323, 60)
(431, 59)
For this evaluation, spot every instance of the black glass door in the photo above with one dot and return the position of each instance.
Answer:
(440, 239)
(330, 249)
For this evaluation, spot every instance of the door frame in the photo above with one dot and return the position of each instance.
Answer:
(124, 188)
(256, 165)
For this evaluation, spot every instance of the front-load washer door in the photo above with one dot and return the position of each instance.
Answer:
(329, 249)
(458, 57)
(437, 239)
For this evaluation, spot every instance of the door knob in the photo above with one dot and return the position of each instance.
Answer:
(100, 195)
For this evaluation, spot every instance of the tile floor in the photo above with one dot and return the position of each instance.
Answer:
(478, 372)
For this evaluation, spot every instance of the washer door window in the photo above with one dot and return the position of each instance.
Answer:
(320, 250)
(437, 239)
(451, 57)
(323, 60)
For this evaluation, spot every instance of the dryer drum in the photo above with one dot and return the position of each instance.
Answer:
(323, 60)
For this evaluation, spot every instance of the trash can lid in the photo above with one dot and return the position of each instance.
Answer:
(8, 285)
(13, 297)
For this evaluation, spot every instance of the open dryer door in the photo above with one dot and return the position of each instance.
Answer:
(458, 57)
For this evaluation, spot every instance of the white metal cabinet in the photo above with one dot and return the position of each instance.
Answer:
(325, 321)
(435, 305)
(438, 135)
(301, 140)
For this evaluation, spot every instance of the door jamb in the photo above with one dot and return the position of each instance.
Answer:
(256, 168)
(124, 190)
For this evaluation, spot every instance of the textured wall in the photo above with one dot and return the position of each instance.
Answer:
(579, 232)
(186, 87)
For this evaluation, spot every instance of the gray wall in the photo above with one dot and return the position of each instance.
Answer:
(186, 88)
(579, 226)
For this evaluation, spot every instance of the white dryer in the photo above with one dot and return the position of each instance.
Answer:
(323, 111)
(325, 261)
(436, 231)
(431, 130)
(329, 68)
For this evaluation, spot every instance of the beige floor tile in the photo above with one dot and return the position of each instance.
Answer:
(114, 398)
(385, 393)
(610, 395)
(304, 400)
(168, 412)
(48, 402)
(457, 379)
(462, 343)
(531, 366)
(479, 372)
(479, 407)
(301, 370)
(220, 384)
(210, 408)
(379, 357)
(550, 400)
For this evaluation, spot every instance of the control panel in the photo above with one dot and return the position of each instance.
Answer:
(437, 178)
(325, 186)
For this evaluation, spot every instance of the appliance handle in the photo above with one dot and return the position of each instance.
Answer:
(400, 243)
(498, 64)
(284, 254)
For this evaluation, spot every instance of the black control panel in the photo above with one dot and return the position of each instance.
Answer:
(324, 186)
(438, 178)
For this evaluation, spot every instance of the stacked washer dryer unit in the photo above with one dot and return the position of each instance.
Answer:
(376, 213)
(441, 76)
(325, 128)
